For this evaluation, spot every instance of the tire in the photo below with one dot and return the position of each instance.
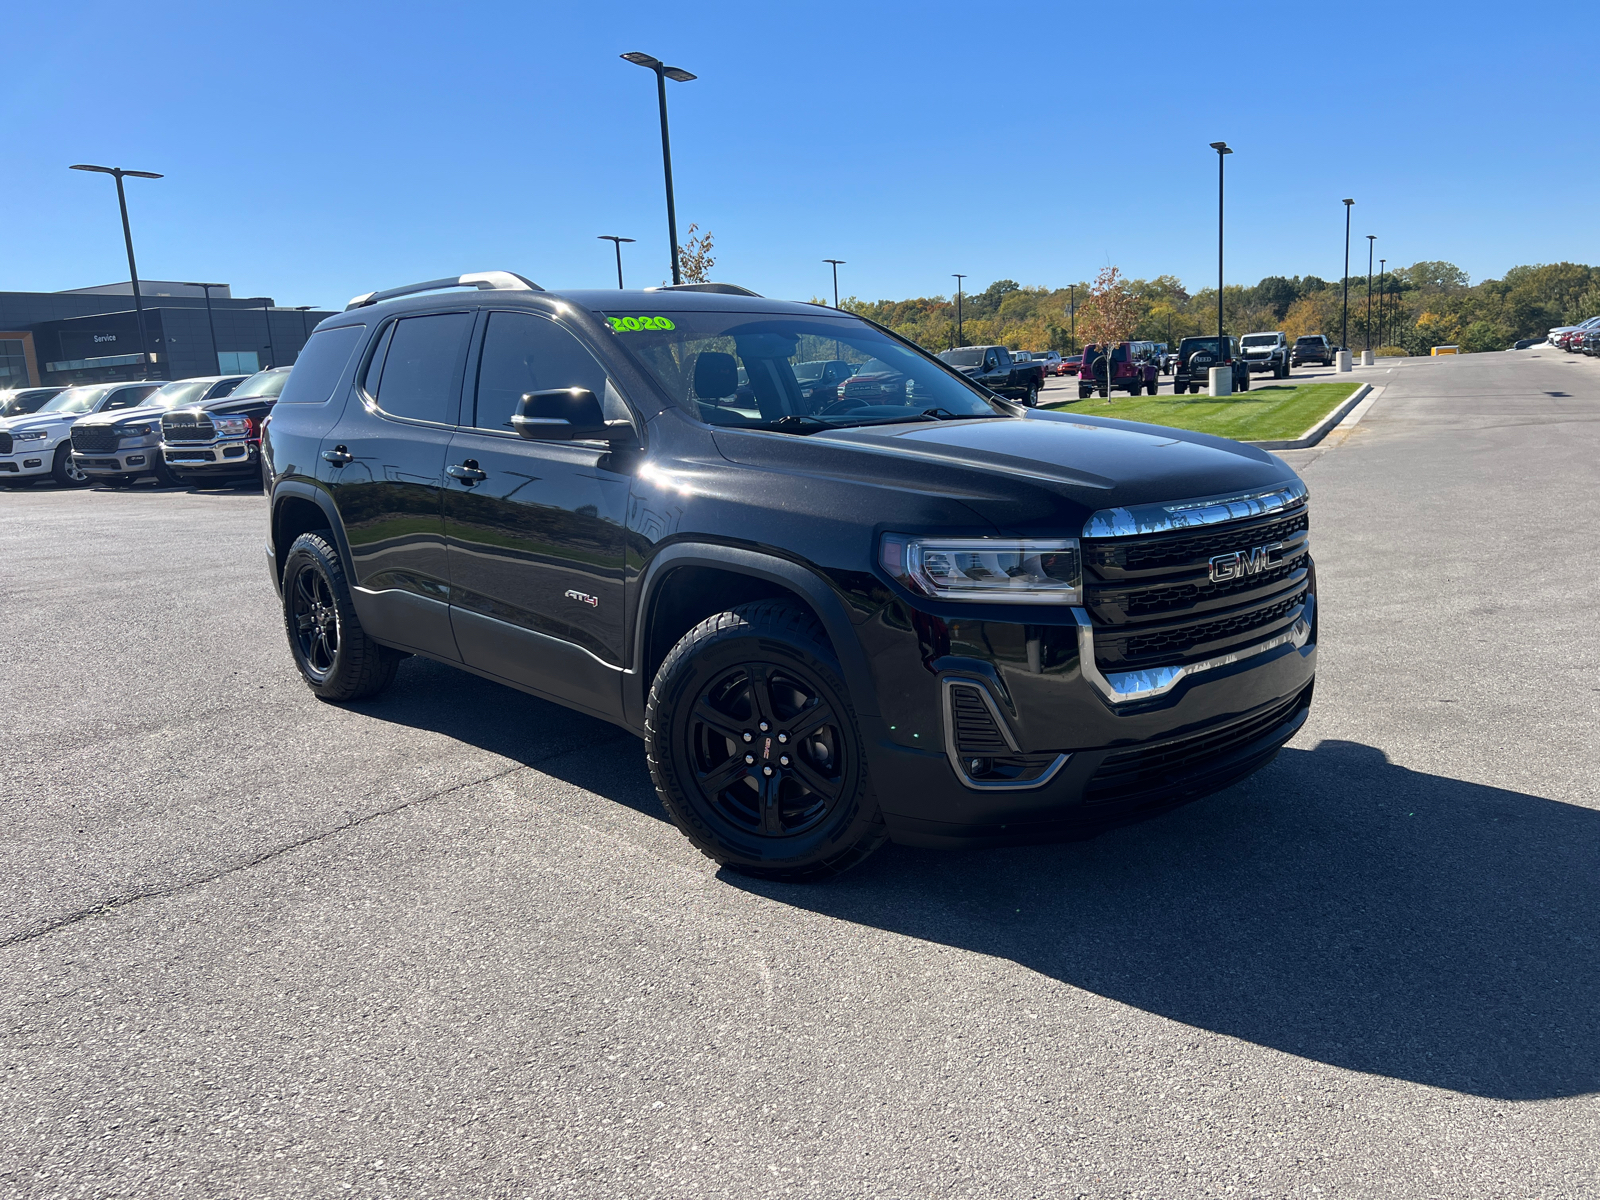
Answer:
(62, 470)
(163, 474)
(1150, 388)
(348, 665)
(1032, 400)
(1083, 393)
(717, 710)
(1245, 386)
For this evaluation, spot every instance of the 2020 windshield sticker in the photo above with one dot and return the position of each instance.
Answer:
(636, 324)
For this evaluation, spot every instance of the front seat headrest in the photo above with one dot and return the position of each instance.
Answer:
(716, 374)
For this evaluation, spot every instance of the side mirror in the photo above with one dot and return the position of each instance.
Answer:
(566, 415)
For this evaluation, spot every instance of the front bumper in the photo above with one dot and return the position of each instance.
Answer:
(222, 456)
(1259, 364)
(1089, 750)
(27, 461)
(125, 460)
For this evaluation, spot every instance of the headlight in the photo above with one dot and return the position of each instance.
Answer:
(131, 431)
(1037, 570)
(30, 435)
(232, 426)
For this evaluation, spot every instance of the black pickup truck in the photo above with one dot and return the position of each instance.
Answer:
(997, 370)
(929, 614)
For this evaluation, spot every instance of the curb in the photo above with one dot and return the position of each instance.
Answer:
(1322, 428)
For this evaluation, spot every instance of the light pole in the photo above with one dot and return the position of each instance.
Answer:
(617, 242)
(958, 279)
(837, 263)
(266, 313)
(1222, 153)
(305, 330)
(1371, 238)
(1383, 291)
(678, 75)
(210, 321)
(118, 173)
(1344, 334)
(1072, 312)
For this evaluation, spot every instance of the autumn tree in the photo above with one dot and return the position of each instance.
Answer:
(1110, 315)
(694, 257)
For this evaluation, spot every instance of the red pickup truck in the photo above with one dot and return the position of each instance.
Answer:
(1133, 368)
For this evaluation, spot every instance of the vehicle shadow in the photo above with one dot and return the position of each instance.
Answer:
(1334, 906)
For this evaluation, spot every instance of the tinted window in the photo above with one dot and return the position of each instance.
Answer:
(321, 364)
(526, 353)
(419, 371)
(128, 398)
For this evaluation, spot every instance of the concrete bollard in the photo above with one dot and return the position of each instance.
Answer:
(1341, 361)
(1366, 358)
(1222, 381)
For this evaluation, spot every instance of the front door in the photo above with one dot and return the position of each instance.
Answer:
(384, 465)
(536, 529)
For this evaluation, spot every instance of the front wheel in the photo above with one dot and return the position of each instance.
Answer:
(1243, 385)
(64, 471)
(754, 748)
(163, 473)
(335, 656)
(1150, 388)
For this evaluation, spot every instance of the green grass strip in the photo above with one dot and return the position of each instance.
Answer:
(1265, 413)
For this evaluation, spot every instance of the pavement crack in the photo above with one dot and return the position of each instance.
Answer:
(107, 906)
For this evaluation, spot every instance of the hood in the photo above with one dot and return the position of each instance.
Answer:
(40, 420)
(143, 413)
(1042, 472)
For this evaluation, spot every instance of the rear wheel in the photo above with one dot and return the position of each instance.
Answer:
(1150, 388)
(62, 469)
(754, 748)
(335, 656)
(1032, 400)
(1242, 385)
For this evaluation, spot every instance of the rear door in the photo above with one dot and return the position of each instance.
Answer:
(536, 529)
(383, 462)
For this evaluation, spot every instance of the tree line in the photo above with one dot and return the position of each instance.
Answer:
(1411, 309)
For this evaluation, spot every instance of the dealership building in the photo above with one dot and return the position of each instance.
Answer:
(91, 335)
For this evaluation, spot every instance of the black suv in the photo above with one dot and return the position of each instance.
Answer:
(930, 614)
(1196, 357)
(1313, 348)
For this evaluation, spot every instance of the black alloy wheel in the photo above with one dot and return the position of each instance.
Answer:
(754, 748)
(335, 656)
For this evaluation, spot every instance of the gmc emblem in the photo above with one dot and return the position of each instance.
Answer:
(1243, 563)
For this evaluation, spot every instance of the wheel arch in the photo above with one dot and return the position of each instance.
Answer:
(687, 582)
(297, 508)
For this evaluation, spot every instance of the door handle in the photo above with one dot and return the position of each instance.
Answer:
(468, 472)
(338, 456)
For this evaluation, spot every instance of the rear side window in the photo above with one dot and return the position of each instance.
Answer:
(128, 398)
(321, 365)
(525, 353)
(421, 366)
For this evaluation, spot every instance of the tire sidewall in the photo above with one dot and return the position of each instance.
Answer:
(672, 699)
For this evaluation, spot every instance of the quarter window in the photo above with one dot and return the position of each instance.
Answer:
(321, 363)
(525, 353)
(419, 371)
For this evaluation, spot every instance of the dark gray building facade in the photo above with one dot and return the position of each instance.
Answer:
(88, 337)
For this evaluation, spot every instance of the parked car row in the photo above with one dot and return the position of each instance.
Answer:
(205, 429)
(1578, 339)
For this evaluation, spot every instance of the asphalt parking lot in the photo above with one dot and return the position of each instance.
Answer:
(446, 944)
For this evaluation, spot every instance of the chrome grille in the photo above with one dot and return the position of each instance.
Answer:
(1154, 603)
(187, 427)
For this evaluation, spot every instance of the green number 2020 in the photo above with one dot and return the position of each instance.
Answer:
(634, 324)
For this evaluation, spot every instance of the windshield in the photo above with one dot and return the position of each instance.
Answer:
(263, 383)
(77, 400)
(1307, 341)
(698, 358)
(1190, 345)
(1261, 339)
(967, 356)
(21, 403)
(185, 392)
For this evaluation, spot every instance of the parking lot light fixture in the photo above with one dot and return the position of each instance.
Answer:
(1371, 239)
(837, 263)
(119, 174)
(305, 329)
(677, 75)
(1223, 151)
(617, 242)
(1072, 314)
(266, 312)
(958, 279)
(1344, 334)
(211, 323)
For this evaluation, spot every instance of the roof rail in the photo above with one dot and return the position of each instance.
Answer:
(726, 289)
(489, 281)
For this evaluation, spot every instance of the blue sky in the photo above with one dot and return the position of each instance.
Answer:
(314, 151)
